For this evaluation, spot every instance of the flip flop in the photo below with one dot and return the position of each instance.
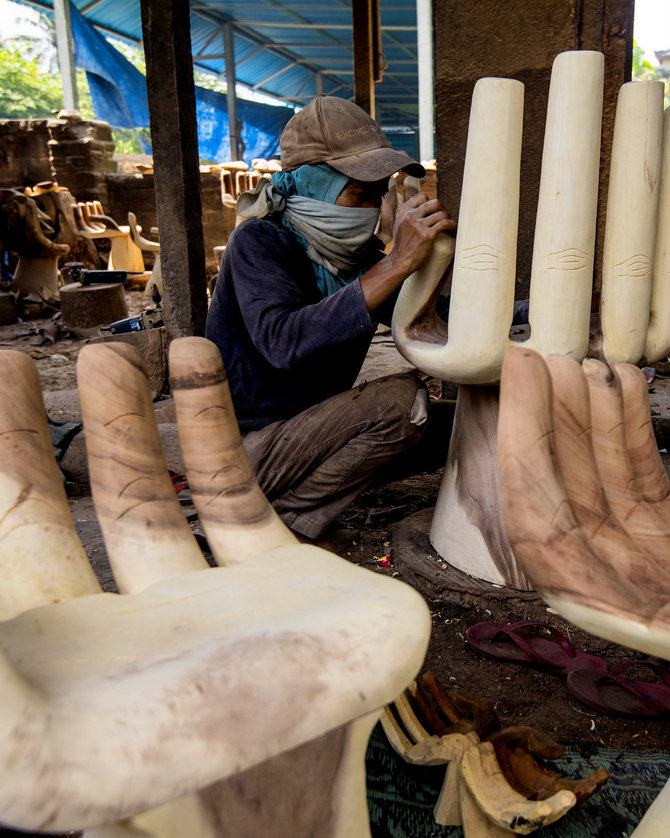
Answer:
(528, 643)
(609, 692)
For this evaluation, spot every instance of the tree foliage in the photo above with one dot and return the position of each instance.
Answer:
(25, 91)
(644, 71)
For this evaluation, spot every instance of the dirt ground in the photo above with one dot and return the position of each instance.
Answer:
(364, 534)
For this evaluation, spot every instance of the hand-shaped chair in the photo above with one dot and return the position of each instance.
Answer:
(245, 693)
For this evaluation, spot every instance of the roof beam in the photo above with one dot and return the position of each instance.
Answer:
(266, 24)
(288, 11)
(273, 76)
(254, 38)
(209, 40)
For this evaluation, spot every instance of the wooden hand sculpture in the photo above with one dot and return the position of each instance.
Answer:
(271, 670)
(559, 516)
(25, 229)
(635, 309)
(92, 222)
(522, 753)
(584, 497)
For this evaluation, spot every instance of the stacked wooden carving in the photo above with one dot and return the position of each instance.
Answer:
(239, 699)
(635, 300)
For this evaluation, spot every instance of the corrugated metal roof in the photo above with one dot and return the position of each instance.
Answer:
(283, 46)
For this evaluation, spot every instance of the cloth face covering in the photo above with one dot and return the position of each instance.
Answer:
(334, 237)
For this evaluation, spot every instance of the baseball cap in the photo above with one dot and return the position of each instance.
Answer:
(340, 133)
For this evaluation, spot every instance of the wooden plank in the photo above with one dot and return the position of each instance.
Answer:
(167, 47)
(364, 82)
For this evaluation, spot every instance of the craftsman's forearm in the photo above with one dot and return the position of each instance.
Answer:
(382, 280)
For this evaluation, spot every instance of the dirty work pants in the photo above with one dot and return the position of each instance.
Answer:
(313, 465)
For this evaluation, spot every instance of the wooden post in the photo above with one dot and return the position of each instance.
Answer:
(367, 39)
(167, 47)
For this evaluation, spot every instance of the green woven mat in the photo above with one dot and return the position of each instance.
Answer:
(401, 797)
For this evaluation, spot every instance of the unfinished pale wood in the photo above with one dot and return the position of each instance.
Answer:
(565, 228)
(656, 821)
(274, 799)
(642, 520)
(41, 559)
(145, 532)
(237, 517)
(156, 277)
(124, 255)
(475, 822)
(467, 527)
(481, 302)
(426, 749)
(547, 541)
(482, 290)
(630, 231)
(113, 704)
(199, 677)
(503, 805)
(657, 345)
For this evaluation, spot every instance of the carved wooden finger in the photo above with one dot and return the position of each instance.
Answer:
(630, 232)
(395, 733)
(645, 525)
(87, 209)
(41, 557)
(651, 478)
(146, 535)
(237, 517)
(657, 345)
(407, 716)
(423, 702)
(140, 241)
(521, 753)
(482, 291)
(543, 531)
(583, 484)
(570, 574)
(565, 229)
(501, 803)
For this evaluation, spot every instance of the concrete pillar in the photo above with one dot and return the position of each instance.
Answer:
(167, 47)
(424, 42)
(229, 52)
(65, 47)
(520, 39)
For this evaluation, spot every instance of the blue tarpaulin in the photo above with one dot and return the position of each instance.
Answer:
(119, 94)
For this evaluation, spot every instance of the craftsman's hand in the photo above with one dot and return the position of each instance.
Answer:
(418, 221)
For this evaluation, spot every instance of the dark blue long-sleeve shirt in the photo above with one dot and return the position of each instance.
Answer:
(283, 345)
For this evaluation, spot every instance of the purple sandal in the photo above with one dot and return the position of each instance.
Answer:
(533, 644)
(611, 693)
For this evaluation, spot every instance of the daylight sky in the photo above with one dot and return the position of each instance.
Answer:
(652, 23)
